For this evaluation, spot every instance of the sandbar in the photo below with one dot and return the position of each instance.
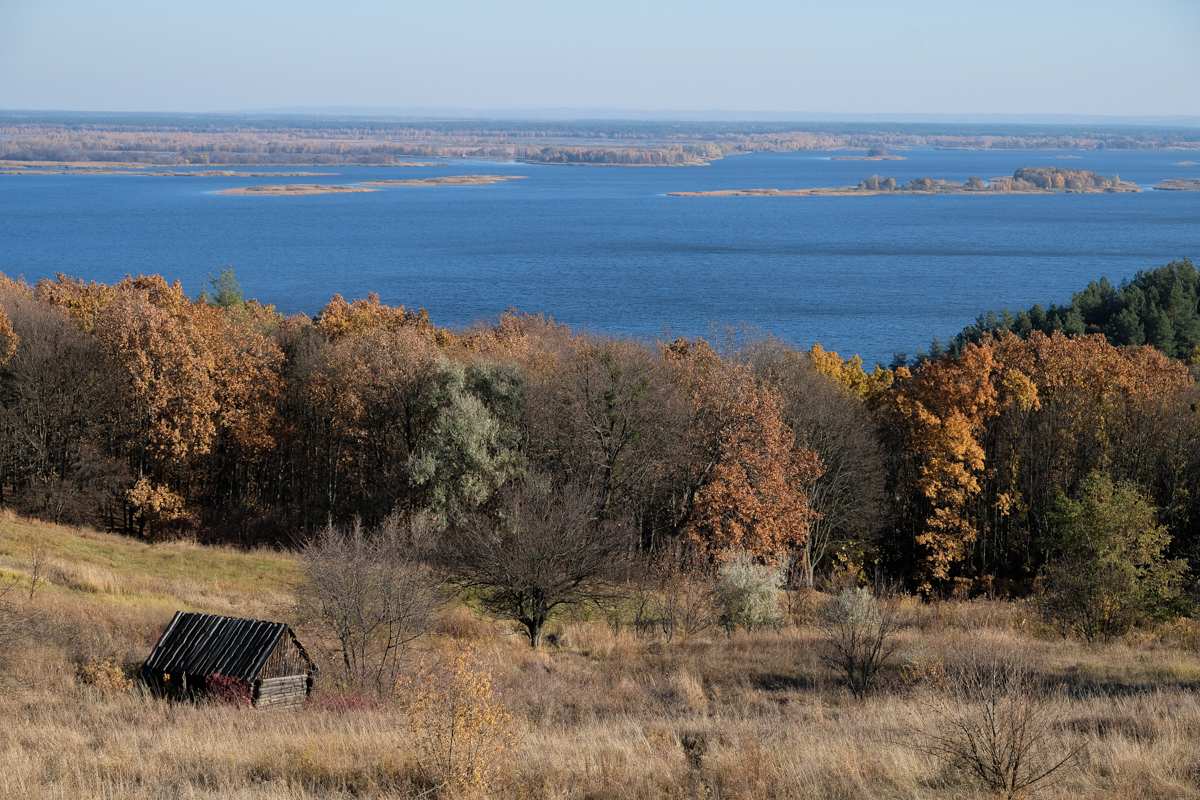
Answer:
(1179, 185)
(1189, 163)
(296, 189)
(1068, 156)
(449, 180)
(868, 158)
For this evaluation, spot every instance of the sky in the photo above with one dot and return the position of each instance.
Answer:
(1091, 57)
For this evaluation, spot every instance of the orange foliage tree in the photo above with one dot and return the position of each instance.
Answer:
(749, 489)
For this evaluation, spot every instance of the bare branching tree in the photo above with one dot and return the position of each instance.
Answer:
(16, 616)
(994, 722)
(367, 598)
(546, 547)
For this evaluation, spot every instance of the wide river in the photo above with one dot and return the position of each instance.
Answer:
(605, 248)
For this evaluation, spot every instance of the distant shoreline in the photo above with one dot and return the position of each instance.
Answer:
(854, 191)
(216, 173)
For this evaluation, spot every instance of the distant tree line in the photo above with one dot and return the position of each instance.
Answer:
(233, 140)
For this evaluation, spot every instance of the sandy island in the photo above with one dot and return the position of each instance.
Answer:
(1189, 163)
(296, 189)
(1068, 156)
(449, 180)
(1179, 185)
(867, 158)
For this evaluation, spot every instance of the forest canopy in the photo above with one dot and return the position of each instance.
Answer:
(142, 410)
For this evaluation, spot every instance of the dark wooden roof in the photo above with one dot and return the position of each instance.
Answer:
(204, 644)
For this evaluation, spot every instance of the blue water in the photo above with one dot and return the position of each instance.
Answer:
(604, 248)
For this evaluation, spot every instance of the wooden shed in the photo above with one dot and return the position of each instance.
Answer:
(267, 655)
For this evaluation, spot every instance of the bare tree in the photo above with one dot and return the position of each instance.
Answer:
(545, 548)
(56, 397)
(610, 418)
(16, 618)
(993, 722)
(367, 598)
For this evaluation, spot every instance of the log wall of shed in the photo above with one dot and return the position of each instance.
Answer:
(286, 659)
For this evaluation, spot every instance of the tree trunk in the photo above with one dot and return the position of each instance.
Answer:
(534, 624)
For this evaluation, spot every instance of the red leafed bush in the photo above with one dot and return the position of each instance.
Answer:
(224, 690)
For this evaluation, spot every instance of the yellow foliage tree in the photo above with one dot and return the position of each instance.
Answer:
(849, 373)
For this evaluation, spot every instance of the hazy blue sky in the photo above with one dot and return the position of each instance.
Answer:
(957, 56)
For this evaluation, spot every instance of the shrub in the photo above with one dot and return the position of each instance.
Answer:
(859, 633)
(106, 677)
(748, 593)
(224, 690)
(686, 606)
(994, 723)
(464, 737)
(1109, 564)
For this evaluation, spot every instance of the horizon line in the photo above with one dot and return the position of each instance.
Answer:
(567, 113)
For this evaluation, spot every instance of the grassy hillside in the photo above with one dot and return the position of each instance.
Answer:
(602, 713)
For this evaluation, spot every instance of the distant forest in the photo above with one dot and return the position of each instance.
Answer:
(142, 410)
(199, 139)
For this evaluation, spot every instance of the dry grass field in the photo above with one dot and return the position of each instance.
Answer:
(601, 713)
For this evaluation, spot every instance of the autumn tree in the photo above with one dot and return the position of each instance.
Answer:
(749, 477)
(831, 416)
(940, 412)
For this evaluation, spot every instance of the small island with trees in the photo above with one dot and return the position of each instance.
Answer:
(1026, 180)
(1179, 185)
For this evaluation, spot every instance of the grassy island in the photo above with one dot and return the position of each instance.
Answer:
(296, 189)
(1026, 180)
